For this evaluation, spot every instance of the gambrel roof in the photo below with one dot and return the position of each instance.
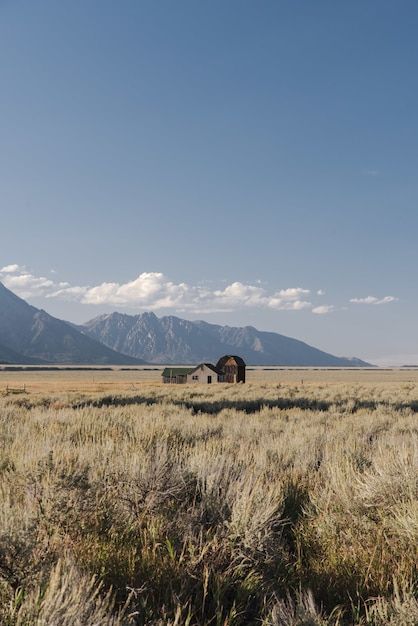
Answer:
(238, 360)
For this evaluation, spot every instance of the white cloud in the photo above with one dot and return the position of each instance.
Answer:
(324, 309)
(149, 290)
(11, 269)
(320, 292)
(293, 293)
(374, 300)
(281, 304)
(237, 294)
(21, 281)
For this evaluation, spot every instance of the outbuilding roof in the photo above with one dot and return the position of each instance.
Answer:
(170, 372)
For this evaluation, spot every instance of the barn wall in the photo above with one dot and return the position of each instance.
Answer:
(234, 373)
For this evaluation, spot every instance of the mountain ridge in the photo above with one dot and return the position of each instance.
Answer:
(173, 340)
(34, 335)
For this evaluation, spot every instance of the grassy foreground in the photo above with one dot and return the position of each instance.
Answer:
(278, 505)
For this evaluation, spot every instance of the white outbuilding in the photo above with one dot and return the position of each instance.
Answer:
(205, 373)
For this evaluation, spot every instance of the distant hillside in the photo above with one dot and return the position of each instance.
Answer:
(32, 335)
(174, 340)
(10, 356)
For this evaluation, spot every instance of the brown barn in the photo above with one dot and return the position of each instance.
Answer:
(232, 367)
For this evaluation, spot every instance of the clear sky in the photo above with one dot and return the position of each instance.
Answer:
(238, 161)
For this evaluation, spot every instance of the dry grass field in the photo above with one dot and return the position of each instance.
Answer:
(279, 502)
(117, 379)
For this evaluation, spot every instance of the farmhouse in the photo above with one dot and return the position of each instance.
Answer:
(205, 373)
(229, 369)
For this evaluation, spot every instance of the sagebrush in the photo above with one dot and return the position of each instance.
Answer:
(255, 504)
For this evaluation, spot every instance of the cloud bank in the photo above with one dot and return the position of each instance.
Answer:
(154, 291)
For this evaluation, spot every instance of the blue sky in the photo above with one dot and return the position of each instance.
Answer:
(224, 160)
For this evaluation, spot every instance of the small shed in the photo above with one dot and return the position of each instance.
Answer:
(232, 368)
(205, 373)
(176, 375)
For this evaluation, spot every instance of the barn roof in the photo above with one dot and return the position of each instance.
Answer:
(238, 360)
(170, 372)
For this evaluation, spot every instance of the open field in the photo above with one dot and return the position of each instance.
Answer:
(280, 503)
(38, 380)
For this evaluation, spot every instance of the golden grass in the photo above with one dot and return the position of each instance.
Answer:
(274, 503)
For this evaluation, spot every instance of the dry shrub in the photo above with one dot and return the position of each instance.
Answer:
(68, 598)
(400, 610)
(300, 611)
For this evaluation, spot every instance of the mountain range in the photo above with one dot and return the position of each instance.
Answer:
(31, 336)
(174, 340)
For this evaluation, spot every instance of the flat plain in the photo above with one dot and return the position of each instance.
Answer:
(291, 500)
(38, 380)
